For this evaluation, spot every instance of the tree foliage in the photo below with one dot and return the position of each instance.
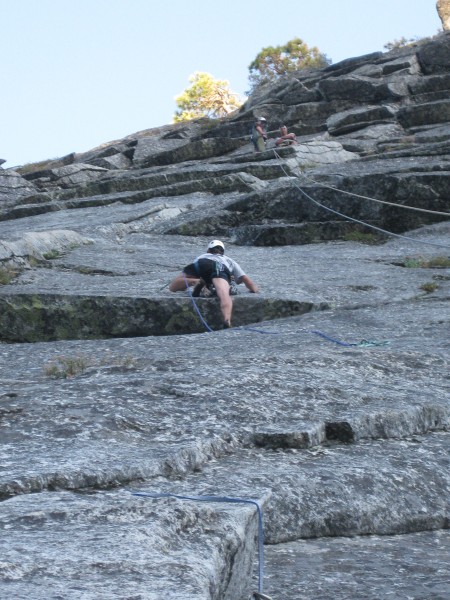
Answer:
(401, 43)
(205, 97)
(273, 62)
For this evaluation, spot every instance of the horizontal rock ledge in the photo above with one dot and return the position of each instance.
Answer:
(388, 424)
(51, 317)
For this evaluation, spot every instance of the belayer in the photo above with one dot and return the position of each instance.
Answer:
(214, 268)
(259, 134)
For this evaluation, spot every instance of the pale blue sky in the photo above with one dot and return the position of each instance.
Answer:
(78, 73)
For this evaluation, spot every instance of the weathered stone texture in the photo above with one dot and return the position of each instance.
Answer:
(326, 403)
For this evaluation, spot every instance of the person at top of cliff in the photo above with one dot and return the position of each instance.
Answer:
(259, 134)
(214, 268)
(285, 139)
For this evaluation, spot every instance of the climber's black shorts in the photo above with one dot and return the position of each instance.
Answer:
(207, 270)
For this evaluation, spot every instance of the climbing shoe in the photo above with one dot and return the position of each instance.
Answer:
(226, 324)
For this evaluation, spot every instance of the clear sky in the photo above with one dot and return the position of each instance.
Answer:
(79, 73)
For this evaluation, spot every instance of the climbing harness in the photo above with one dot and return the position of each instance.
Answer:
(259, 595)
(205, 290)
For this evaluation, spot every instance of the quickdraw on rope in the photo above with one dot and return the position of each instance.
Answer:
(259, 595)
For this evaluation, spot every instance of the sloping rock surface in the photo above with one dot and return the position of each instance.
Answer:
(138, 438)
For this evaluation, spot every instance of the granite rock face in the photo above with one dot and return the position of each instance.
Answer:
(139, 440)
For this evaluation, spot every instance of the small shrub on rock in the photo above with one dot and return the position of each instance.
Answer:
(429, 287)
(7, 275)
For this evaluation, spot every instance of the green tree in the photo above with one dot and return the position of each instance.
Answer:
(205, 97)
(273, 62)
(401, 43)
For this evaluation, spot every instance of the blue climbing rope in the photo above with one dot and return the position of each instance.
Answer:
(205, 324)
(255, 330)
(159, 495)
(362, 344)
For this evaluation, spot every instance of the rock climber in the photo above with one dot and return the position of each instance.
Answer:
(214, 268)
(259, 134)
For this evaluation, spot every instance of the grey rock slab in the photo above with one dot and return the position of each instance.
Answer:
(391, 489)
(375, 133)
(13, 188)
(319, 152)
(365, 88)
(75, 174)
(404, 566)
(47, 317)
(434, 55)
(410, 64)
(148, 147)
(106, 210)
(117, 545)
(37, 244)
(358, 118)
(422, 114)
(140, 264)
(430, 84)
(378, 487)
(433, 134)
(156, 178)
(115, 161)
(141, 407)
(349, 64)
(336, 420)
(192, 151)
